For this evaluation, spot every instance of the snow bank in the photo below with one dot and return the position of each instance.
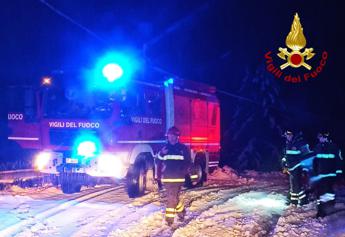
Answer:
(256, 174)
(336, 222)
(229, 175)
(34, 192)
(300, 222)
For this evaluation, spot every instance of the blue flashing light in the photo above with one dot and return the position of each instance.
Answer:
(169, 81)
(87, 149)
(86, 146)
(112, 72)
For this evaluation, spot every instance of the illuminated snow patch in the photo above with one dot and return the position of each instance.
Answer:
(272, 202)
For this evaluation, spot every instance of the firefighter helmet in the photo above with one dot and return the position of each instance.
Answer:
(174, 131)
(287, 132)
(324, 134)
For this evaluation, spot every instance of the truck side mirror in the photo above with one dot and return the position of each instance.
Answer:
(29, 105)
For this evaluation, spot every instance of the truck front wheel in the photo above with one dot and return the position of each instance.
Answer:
(70, 183)
(136, 180)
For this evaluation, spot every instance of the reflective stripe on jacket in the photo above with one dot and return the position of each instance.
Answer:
(176, 163)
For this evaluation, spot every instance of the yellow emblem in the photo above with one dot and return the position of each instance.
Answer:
(296, 41)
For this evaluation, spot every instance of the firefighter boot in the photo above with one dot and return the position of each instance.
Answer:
(181, 215)
(293, 198)
(180, 210)
(170, 215)
(303, 201)
(294, 202)
(320, 211)
(169, 221)
(160, 185)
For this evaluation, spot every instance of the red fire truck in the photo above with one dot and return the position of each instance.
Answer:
(77, 134)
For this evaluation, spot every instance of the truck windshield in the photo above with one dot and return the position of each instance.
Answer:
(74, 103)
(21, 99)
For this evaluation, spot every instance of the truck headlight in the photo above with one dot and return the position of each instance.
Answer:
(42, 160)
(112, 164)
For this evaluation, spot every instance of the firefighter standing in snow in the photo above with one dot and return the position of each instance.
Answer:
(292, 164)
(176, 160)
(327, 167)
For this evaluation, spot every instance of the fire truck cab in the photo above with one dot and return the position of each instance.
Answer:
(78, 134)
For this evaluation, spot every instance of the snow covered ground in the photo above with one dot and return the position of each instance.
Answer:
(228, 205)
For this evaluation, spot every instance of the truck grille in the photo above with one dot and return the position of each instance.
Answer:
(65, 137)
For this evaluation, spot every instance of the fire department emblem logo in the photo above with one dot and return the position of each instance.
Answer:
(296, 56)
(296, 41)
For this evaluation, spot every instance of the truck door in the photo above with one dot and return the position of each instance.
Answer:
(23, 127)
(199, 115)
(213, 133)
(183, 117)
(141, 115)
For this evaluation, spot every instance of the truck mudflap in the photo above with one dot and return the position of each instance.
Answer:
(71, 182)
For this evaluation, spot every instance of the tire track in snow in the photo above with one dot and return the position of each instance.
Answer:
(233, 217)
(133, 221)
(140, 206)
(50, 192)
(121, 215)
(37, 218)
(148, 204)
(153, 224)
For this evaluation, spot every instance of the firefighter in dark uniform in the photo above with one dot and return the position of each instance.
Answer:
(292, 165)
(327, 167)
(176, 161)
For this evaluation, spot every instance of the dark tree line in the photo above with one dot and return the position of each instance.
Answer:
(252, 136)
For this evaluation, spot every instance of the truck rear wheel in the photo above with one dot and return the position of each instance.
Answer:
(197, 175)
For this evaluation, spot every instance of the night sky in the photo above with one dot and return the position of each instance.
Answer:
(208, 41)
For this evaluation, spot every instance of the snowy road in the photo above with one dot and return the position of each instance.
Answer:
(228, 206)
